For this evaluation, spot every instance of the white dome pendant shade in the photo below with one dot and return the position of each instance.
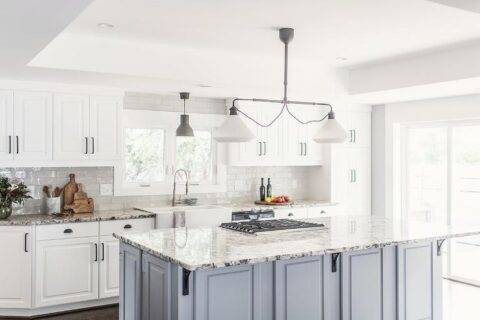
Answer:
(233, 129)
(331, 131)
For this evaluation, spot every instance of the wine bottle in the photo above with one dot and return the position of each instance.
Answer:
(262, 191)
(269, 189)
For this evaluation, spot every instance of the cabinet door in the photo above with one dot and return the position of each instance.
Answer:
(16, 267)
(270, 137)
(224, 293)
(6, 125)
(130, 282)
(351, 179)
(156, 288)
(419, 282)
(360, 124)
(360, 180)
(71, 129)
(32, 125)
(109, 267)
(247, 153)
(67, 271)
(105, 123)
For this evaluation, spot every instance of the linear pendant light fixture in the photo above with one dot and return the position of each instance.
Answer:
(184, 129)
(235, 130)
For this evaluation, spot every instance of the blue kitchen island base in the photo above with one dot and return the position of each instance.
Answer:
(402, 281)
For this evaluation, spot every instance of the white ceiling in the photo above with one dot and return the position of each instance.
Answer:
(172, 45)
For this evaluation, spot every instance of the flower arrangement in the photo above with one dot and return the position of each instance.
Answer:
(12, 192)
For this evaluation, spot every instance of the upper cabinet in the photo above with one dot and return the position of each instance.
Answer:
(42, 128)
(6, 125)
(286, 142)
(32, 125)
(357, 123)
(86, 127)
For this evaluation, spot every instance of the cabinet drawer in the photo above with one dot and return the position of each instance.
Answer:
(291, 213)
(107, 228)
(323, 211)
(67, 230)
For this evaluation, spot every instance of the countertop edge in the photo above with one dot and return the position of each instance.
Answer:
(287, 256)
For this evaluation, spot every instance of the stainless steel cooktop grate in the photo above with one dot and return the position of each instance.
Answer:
(256, 226)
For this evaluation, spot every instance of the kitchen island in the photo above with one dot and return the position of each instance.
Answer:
(357, 267)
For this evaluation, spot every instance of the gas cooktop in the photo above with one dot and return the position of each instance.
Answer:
(257, 226)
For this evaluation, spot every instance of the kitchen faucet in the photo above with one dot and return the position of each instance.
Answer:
(175, 185)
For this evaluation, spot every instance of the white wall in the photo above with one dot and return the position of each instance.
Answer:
(454, 108)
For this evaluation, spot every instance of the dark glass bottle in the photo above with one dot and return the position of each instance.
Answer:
(269, 189)
(262, 191)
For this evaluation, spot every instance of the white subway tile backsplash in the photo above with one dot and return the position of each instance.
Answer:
(242, 184)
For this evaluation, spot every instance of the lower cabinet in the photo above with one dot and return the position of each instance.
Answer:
(109, 278)
(419, 282)
(16, 267)
(400, 282)
(66, 271)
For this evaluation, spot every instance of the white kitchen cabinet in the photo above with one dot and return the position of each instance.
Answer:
(285, 142)
(66, 271)
(86, 127)
(16, 267)
(6, 125)
(105, 127)
(357, 123)
(71, 126)
(109, 267)
(351, 179)
(32, 125)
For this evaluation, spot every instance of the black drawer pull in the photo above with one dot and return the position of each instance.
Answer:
(290, 214)
(68, 231)
(127, 226)
(323, 211)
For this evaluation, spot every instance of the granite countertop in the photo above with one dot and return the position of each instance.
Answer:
(204, 248)
(40, 219)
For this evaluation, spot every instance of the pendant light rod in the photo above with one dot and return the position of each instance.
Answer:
(286, 36)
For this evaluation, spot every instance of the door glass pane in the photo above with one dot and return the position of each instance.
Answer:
(144, 155)
(426, 176)
(465, 252)
(194, 154)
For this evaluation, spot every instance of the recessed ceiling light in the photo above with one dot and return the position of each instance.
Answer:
(105, 25)
(341, 59)
(204, 85)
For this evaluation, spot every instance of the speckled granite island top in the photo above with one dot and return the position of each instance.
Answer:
(204, 248)
(40, 219)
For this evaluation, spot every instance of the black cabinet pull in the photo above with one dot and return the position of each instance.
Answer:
(305, 144)
(185, 282)
(290, 214)
(93, 145)
(103, 251)
(127, 226)
(68, 230)
(86, 145)
(264, 148)
(18, 148)
(9, 144)
(96, 252)
(25, 243)
(322, 212)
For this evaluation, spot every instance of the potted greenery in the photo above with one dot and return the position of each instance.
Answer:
(11, 192)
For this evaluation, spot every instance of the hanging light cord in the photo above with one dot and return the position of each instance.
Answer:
(284, 101)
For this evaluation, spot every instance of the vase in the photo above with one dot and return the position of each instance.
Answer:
(5, 211)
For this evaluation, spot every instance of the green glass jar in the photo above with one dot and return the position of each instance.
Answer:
(5, 211)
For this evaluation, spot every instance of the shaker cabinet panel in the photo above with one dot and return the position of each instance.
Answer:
(109, 278)
(105, 127)
(71, 127)
(16, 273)
(6, 125)
(32, 125)
(67, 271)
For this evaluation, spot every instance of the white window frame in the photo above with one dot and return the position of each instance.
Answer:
(169, 121)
